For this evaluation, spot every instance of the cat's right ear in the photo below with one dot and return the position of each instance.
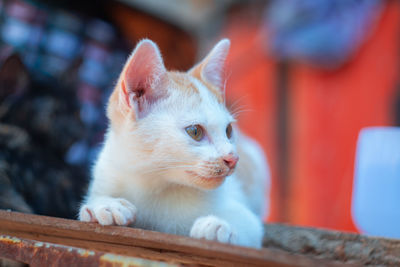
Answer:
(142, 79)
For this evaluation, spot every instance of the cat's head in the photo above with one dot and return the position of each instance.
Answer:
(176, 122)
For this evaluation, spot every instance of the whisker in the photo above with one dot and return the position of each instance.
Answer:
(161, 169)
(238, 112)
(236, 102)
(242, 110)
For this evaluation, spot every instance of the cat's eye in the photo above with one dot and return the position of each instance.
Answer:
(195, 131)
(229, 131)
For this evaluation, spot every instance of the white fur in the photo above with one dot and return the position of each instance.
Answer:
(140, 177)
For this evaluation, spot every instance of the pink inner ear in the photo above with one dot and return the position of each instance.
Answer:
(214, 63)
(213, 73)
(144, 69)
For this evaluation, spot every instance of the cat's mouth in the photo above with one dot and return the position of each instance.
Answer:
(208, 182)
(211, 177)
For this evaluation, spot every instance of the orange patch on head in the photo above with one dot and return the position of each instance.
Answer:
(114, 112)
(182, 82)
(196, 73)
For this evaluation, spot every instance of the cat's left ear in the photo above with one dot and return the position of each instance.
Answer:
(211, 68)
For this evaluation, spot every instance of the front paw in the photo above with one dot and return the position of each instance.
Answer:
(108, 211)
(212, 228)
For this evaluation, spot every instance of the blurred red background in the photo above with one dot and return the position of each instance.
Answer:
(312, 155)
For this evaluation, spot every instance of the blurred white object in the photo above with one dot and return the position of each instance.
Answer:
(376, 190)
(188, 14)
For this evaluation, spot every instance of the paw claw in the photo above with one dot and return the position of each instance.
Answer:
(85, 215)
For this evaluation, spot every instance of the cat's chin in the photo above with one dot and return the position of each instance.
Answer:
(206, 182)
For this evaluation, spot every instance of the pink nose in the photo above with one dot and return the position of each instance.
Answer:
(230, 160)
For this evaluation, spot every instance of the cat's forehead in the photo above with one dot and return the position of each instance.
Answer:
(192, 85)
(198, 97)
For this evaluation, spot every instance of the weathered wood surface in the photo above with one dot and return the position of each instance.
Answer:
(333, 245)
(139, 243)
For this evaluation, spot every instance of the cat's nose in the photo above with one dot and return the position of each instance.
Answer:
(230, 160)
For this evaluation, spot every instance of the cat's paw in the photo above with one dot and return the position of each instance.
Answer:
(110, 211)
(212, 228)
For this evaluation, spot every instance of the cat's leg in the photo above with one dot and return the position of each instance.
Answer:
(108, 211)
(235, 225)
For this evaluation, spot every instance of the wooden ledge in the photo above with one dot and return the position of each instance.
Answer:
(333, 245)
(23, 232)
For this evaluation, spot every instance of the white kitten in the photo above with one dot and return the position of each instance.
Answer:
(170, 153)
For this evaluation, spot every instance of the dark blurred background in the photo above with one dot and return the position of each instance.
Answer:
(307, 75)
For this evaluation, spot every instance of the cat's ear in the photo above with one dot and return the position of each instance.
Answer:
(211, 68)
(141, 79)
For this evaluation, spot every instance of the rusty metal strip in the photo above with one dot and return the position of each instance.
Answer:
(37, 253)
